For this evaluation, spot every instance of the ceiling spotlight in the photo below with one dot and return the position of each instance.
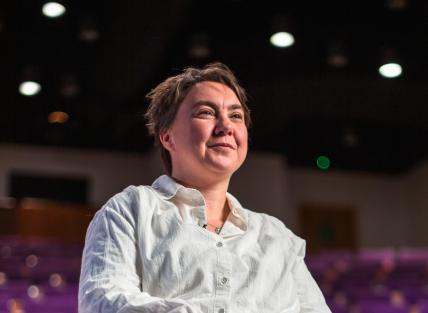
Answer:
(58, 117)
(53, 9)
(390, 67)
(30, 81)
(282, 39)
(29, 88)
(390, 70)
(282, 36)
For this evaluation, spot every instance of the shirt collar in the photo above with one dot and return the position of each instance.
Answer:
(168, 188)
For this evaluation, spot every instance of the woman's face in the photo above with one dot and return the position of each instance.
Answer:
(208, 135)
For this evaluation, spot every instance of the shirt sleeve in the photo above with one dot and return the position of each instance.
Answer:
(110, 279)
(310, 296)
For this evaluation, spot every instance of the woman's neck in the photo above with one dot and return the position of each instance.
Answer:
(217, 208)
(214, 193)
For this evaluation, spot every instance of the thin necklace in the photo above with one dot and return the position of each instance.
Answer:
(217, 229)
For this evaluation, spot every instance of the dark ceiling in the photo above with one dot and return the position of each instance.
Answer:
(302, 106)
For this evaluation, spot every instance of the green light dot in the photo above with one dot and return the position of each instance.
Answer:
(323, 162)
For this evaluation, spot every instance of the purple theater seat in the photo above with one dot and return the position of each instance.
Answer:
(383, 256)
(357, 292)
(16, 287)
(4, 298)
(404, 277)
(378, 306)
(55, 304)
(318, 265)
(12, 271)
(422, 306)
(335, 307)
(415, 294)
(360, 272)
(329, 258)
(409, 253)
(410, 269)
(403, 282)
(67, 289)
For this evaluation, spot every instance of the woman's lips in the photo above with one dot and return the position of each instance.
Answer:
(221, 145)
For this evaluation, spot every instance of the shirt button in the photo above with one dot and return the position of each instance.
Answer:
(221, 311)
(224, 280)
(219, 244)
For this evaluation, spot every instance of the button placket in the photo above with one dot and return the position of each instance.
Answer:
(223, 276)
(221, 308)
(223, 282)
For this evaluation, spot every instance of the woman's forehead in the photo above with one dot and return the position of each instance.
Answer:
(213, 91)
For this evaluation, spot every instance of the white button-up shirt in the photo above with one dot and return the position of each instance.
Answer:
(147, 251)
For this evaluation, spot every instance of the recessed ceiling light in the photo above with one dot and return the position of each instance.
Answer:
(29, 88)
(53, 9)
(390, 70)
(282, 39)
(58, 117)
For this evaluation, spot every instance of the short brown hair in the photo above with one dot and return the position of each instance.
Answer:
(165, 99)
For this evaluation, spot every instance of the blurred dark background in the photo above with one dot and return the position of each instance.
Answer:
(321, 96)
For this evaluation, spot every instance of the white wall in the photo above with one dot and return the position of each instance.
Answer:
(391, 210)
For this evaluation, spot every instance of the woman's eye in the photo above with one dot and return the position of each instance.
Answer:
(206, 113)
(237, 116)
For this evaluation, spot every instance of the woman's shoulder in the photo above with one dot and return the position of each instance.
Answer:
(131, 194)
(131, 199)
(272, 226)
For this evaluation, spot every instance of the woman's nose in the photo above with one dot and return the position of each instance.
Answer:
(223, 127)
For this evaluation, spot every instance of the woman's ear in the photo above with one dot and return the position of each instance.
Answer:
(167, 141)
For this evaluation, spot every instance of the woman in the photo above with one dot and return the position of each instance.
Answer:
(185, 244)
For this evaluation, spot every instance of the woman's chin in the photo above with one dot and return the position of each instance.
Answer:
(223, 168)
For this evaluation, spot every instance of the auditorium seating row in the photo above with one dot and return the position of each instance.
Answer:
(373, 280)
(38, 275)
(41, 275)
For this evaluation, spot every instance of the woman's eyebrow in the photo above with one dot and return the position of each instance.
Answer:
(214, 106)
(235, 107)
(205, 102)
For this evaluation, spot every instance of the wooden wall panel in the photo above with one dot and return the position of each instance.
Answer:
(51, 219)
